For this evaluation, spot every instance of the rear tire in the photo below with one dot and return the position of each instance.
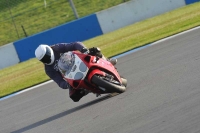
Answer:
(110, 87)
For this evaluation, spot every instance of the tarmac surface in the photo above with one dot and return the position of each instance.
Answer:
(163, 96)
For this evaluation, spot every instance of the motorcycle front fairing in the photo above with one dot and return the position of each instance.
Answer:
(72, 68)
(84, 68)
(76, 74)
(99, 66)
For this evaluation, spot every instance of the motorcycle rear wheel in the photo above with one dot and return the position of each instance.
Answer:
(109, 86)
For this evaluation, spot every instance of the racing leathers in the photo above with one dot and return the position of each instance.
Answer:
(53, 72)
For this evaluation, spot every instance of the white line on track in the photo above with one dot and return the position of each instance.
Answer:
(28, 89)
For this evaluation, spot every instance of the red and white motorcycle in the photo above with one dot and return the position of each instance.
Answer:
(83, 71)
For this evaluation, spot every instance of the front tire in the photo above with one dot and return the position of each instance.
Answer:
(110, 87)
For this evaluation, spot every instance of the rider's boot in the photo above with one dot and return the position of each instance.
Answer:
(76, 95)
(84, 92)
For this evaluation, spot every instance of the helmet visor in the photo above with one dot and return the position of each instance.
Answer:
(47, 57)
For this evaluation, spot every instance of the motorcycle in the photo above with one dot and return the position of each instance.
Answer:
(84, 71)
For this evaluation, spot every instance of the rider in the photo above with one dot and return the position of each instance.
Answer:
(49, 55)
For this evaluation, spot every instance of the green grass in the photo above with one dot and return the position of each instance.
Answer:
(149, 30)
(31, 72)
(35, 17)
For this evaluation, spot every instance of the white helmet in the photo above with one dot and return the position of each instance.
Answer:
(45, 54)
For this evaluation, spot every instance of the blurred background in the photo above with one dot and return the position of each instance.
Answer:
(22, 18)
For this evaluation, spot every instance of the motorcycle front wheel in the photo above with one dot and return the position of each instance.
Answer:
(109, 87)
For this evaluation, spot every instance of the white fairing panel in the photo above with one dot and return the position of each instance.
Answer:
(78, 71)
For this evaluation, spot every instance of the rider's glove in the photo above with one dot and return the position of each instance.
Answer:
(84, 51)
(95, 51)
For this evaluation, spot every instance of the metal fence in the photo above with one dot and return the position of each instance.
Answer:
(22, 18)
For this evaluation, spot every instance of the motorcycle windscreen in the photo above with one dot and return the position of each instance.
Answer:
(66, 62)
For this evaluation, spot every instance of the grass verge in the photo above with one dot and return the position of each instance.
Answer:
(31, 72)
(19, 18)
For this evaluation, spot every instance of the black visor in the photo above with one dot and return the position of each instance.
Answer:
(47, 57)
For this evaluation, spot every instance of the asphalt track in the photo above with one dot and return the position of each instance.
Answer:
(163, 96)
